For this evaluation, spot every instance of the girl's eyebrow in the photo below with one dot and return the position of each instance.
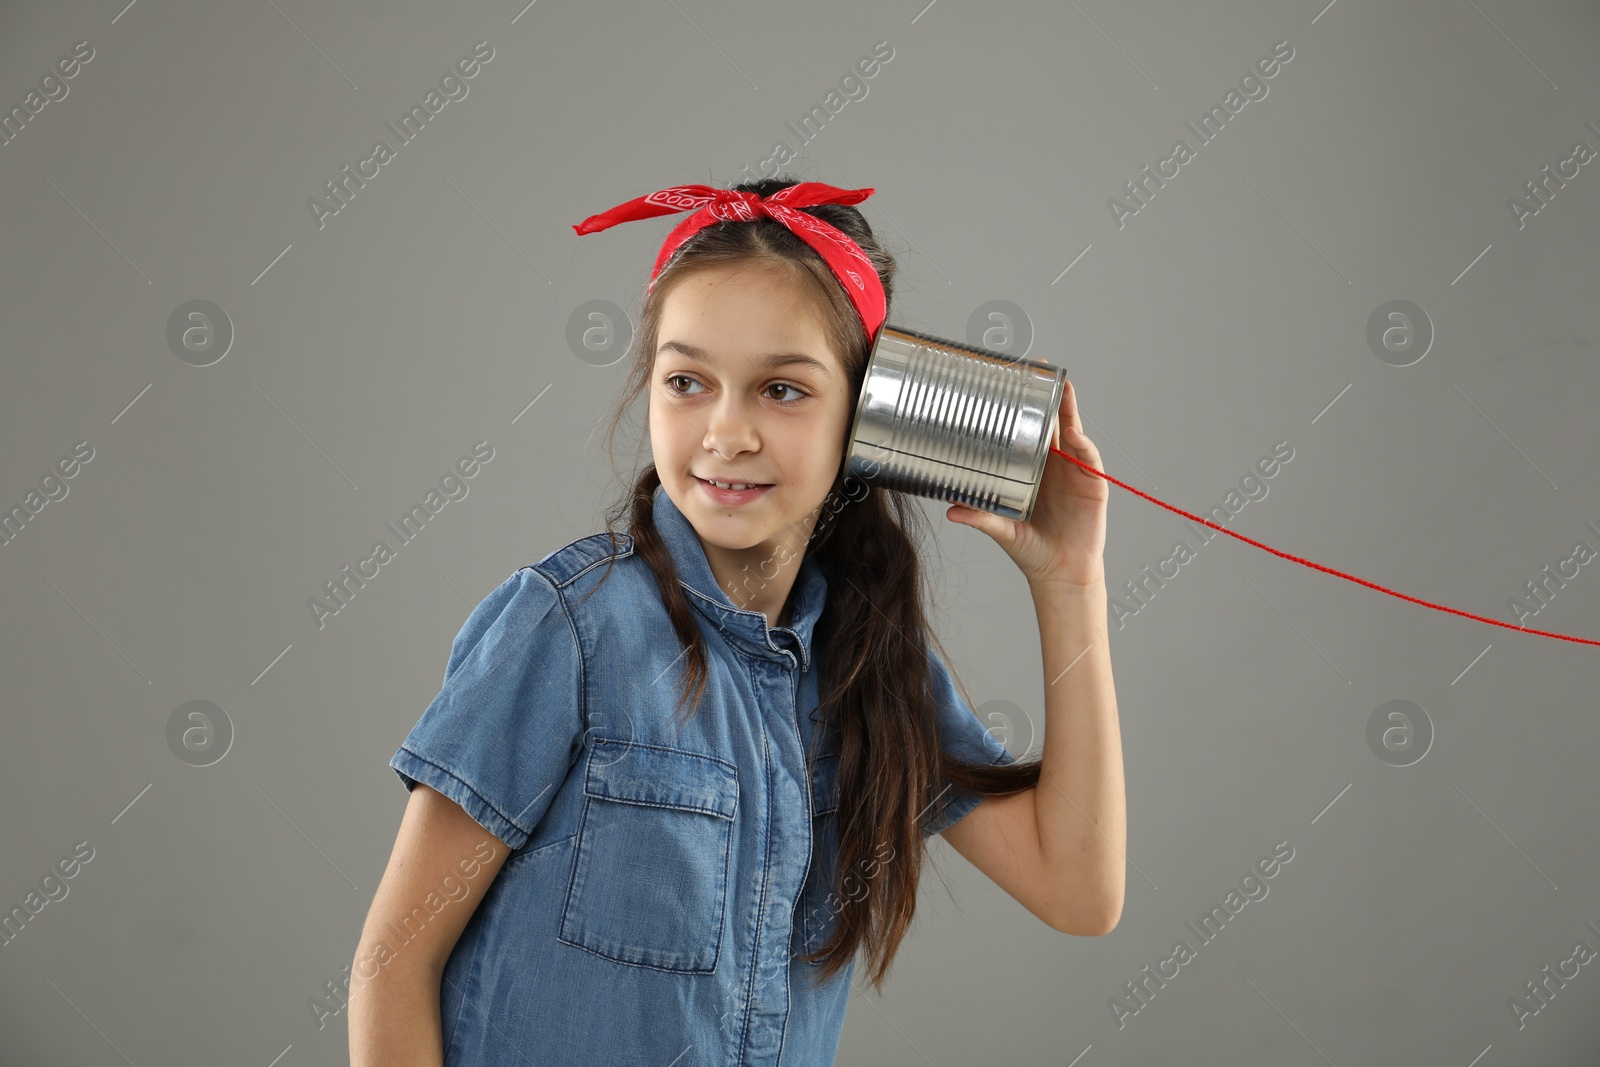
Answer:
(776, 359)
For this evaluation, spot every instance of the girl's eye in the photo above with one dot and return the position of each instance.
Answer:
(670, 379)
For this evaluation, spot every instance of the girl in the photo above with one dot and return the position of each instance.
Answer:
(678, 778)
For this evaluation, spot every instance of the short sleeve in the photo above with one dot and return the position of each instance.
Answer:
(962, 734)
(507, 723)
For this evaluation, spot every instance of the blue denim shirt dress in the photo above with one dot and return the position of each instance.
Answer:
(660, 882)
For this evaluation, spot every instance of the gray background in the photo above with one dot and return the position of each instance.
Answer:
(1229, 314)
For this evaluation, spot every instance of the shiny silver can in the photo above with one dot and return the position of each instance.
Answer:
(944, 420)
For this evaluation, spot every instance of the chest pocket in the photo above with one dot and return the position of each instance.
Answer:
(650, 876)
(819, 904)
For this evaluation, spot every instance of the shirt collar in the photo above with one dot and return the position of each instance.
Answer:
(694, 574)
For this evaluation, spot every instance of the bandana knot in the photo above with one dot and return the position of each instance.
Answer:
(709, 205)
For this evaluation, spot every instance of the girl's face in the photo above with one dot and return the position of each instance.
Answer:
(747, 389)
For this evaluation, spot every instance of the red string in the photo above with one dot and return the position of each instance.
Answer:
(1318, 566)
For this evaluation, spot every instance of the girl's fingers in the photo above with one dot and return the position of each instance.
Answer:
(1069, 406)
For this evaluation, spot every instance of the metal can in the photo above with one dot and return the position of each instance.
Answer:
(955, 423)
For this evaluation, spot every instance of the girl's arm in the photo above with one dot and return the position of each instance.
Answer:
(1059, 849)
(394, 987)
(1080, 804)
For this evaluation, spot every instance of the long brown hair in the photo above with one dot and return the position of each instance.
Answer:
(872, 637)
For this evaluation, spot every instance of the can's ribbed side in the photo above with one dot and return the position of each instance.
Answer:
(940, 420)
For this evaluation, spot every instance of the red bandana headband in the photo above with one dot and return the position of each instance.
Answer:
(843, 256)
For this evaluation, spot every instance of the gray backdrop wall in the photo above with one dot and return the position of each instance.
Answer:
(1380, 262)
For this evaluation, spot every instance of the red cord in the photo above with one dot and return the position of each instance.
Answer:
(1318, 566)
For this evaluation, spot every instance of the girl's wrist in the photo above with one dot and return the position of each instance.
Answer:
(1086, 583)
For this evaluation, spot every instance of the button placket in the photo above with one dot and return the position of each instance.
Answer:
(789, 857)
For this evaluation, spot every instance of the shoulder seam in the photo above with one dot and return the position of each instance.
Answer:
(582, 547)
(577, 644)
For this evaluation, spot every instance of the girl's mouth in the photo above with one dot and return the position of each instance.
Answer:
(732, 496)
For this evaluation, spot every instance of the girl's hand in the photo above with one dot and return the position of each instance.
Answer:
(1065, 539)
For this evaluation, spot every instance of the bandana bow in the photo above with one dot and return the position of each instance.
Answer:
(843, 256)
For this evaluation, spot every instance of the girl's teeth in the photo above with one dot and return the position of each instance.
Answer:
(720, 485)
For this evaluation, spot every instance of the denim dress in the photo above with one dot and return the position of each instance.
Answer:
(660, 881)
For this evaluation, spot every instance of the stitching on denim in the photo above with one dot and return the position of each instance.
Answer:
(451, 1050)
(516, 860)
(572, 875)
(761, 897)
(572, 878)
(667, 748)
(771, 651)
(681, 806)
(829, 793)
(583, 672)
(469, 786)
(635, 963)
(656, 804)
(768, 653)
(608, 552)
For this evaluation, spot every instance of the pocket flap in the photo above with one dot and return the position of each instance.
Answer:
(662, 777)
(825, 784)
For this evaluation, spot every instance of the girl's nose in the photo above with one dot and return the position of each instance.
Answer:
(730, 430)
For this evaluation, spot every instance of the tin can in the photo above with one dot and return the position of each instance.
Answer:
(955, 423)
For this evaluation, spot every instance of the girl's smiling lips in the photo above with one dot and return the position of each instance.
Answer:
(731, 496)
(736, 481)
